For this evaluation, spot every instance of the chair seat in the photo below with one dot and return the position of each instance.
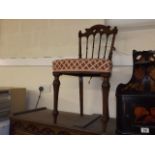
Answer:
(82, 65)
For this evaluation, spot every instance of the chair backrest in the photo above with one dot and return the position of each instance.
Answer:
(99, 42)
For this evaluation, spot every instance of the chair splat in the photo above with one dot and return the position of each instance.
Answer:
(102, 46)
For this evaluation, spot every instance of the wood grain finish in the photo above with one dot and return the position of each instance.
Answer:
(40, 122)
(135, 100)
(56, 84)
(104, 46)
(143, 78)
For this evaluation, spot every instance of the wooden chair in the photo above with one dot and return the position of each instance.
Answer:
(91, 63)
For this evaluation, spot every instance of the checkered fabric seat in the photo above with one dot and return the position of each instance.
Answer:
(82, 65)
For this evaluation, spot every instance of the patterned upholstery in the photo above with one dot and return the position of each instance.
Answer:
(82, 65)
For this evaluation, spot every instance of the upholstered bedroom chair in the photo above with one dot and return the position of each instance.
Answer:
(94, 61)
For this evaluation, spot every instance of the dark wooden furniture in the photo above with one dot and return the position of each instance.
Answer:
(99, 41)
(40, 122)
(136, 99)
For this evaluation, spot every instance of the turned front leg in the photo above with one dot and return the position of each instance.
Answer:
(56, 84)
(81, 94)
(105, 95)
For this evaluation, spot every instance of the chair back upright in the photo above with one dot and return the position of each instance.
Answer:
(97, 42)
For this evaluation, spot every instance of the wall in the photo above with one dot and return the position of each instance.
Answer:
(38, 38)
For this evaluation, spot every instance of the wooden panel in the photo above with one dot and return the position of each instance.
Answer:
(41, 122)
(18, 99)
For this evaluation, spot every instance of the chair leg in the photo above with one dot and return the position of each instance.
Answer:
(56, 84)
(105, 95)
(81, 94)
